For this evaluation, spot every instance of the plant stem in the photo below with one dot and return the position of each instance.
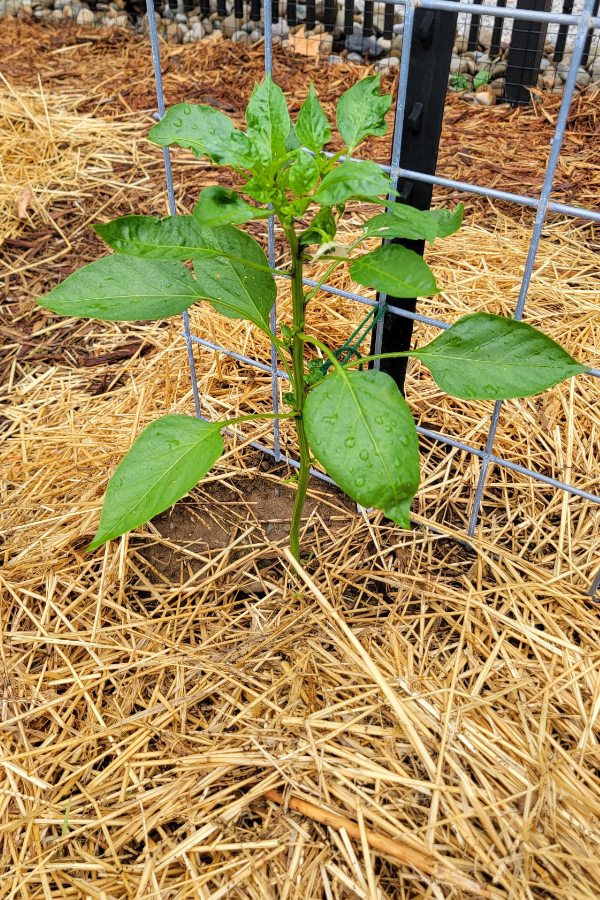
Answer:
(298, 370)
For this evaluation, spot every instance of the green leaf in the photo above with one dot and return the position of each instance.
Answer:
(291, 141)
(353, 178)
(361, 111)
(312, 126)
(169, 457)
(361, 430)
(448, 220)
(411, 224)
(321, 230)
(396, 271)
(259, 188)
(268, 120)
(206, 132)
(481, 78)
(488, 357)
(304, 174)
(218, 206)
(119, 289)
(174, 237)
(236, 289)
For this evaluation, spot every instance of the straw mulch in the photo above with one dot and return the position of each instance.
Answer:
(183, 715)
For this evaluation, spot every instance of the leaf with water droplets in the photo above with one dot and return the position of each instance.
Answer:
(362, 432)
(122, 289)
(167, 460)
(488, 357)
(206, 132)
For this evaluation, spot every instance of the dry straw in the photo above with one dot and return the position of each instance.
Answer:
(399, 718)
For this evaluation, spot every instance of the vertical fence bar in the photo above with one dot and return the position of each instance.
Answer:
(268, 17)
(561, 124)
(160, 100)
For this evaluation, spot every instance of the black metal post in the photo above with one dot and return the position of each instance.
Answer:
(348, 16)
(388, 21)
(330, 14)
(429, 66)
(368, 19)
(588, 40)
(563, 30)
(473, 40)
(525, 54)
(495, 43)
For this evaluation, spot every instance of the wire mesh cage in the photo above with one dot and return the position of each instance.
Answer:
(574, 32)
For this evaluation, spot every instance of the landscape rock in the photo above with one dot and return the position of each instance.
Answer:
(231, 26)
(240, 37)
(85, 17)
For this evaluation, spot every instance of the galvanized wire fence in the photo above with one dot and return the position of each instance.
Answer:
(582, 23)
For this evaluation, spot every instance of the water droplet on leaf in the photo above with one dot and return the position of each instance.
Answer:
(364, 454)
(359, 481)
(350, 441)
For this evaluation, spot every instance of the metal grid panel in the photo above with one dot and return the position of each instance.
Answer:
(542, 205)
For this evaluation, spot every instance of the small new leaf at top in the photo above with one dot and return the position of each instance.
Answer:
(361, 111)
(268, 121)
(312, 126)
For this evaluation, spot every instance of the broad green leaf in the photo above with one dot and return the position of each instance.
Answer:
(412, 225)
(361, 111)
(174, 237)
(236, 289)
(218, 206)
(321, 230)
(304, 174)
(206, 132)
(448, 220)
(312, 126)
(488, 357)
(169, 457)
(396, 271)
(362, 432)
(120, 289)
(268, 120)
(353, 178)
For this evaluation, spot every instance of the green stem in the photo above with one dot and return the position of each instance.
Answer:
(298, 370)
(253, 416)
(338, 260)
(368, 359)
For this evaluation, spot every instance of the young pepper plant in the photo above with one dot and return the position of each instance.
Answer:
(356, 423)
